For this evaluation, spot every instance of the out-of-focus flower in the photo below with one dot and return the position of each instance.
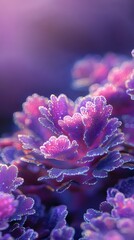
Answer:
(126, 186)
(25, 234)
(33, 35)
(107, 77)
(75, 141)
(94, 69)
(115, 220)
(14, 207)
(130, 86)
(115, 86)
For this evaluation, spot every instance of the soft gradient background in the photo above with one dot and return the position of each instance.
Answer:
(41, 40)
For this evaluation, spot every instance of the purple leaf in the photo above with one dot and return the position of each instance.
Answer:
(24, 208)
(8, 178)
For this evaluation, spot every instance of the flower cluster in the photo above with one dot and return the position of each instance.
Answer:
(112, 84)
(94, 69)
(75, 141)
(116, 218)
(115, 86)
(65, 154)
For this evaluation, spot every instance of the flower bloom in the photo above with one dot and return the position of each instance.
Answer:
(94, 69)
(116, 87)
(106, 77)
(75, 141)
(13, 205)
(114, 221)
(7, 207)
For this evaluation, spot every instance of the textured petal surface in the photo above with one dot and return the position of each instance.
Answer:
(118, 223)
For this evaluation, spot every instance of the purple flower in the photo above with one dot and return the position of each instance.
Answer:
(14, 207)
(117, 85)
(8, 206)
(75, 141)
(115, 88)
(94, 69)
(110, 83)
(114, 221)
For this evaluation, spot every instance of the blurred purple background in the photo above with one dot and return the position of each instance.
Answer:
(41, 40)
